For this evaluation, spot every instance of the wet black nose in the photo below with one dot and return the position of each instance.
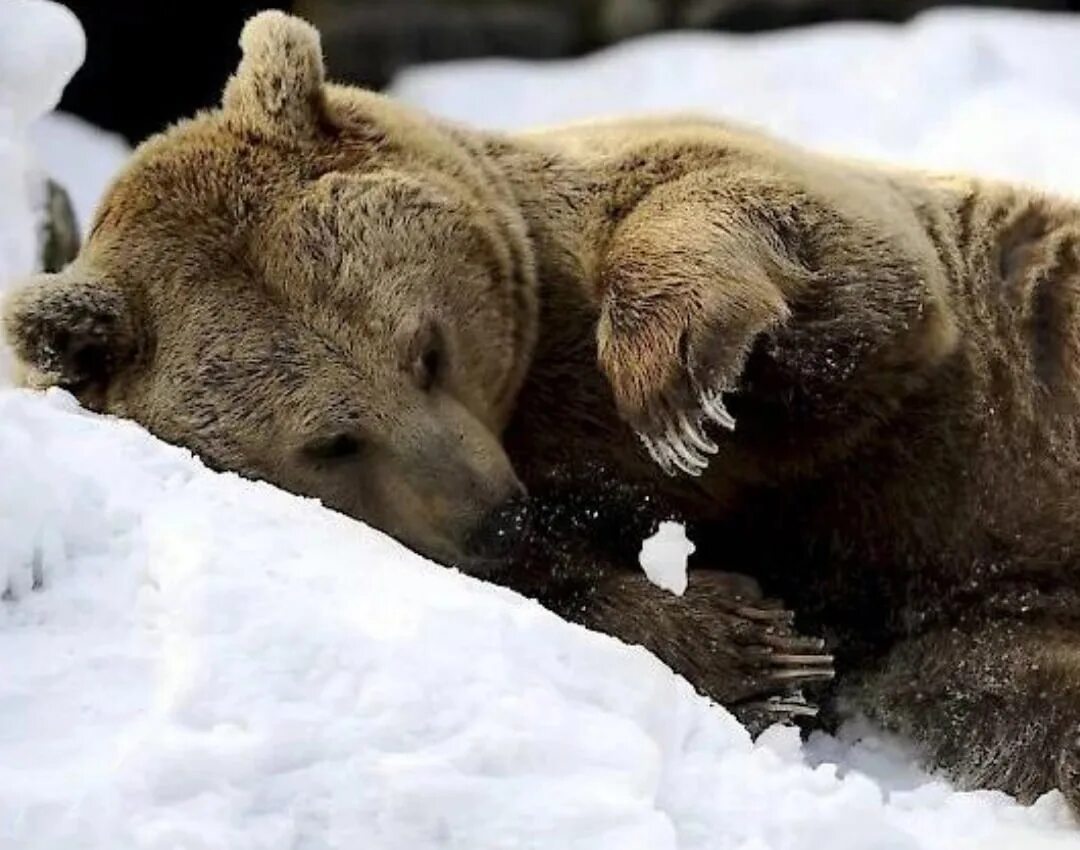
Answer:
(499, 533)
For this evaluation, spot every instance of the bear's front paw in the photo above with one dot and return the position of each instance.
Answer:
(670, 359)
(742, 649)
(772, 656)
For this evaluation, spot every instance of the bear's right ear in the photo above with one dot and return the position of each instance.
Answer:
(72, 333)
(278, 87)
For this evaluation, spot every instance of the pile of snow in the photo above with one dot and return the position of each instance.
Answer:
(191, 660)
(212, 663)
(996, 92)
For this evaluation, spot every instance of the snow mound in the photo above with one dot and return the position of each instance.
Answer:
(209, 662)
(996, 92)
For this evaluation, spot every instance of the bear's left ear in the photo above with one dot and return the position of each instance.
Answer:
(278, 87)
(71, 333)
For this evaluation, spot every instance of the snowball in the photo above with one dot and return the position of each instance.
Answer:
(664, 556)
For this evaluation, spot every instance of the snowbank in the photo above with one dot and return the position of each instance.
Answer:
(190, 660)
(211, 663)
(996, 92)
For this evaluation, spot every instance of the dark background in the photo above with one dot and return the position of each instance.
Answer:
(149, 63)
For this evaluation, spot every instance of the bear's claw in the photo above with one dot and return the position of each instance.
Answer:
(759, 715)
(788, 667)
(712, 403)
(683, 444)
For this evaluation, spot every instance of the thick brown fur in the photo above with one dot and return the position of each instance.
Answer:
(319, 287)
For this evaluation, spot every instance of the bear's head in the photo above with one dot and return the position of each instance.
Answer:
(312, 286)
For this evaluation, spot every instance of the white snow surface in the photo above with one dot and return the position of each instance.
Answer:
(994, 92)
(43, 46)
(211, 663)
(190, 660)
(56, 137)
(665, 556)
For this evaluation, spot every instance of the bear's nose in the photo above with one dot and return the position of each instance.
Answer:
(501, 531)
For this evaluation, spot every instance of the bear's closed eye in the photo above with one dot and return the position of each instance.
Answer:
(334, 447)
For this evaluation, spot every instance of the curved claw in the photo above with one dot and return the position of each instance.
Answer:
(815, 661)
(688, 459)
(762, 613)
(712, 403)
(796, 644)
(673, 455)
(683, 445)
(758, 715)
(790, 706)
(803, 674)
(659, 452)
(693, 434)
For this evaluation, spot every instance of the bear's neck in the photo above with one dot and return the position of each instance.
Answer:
(569, 210)
(569, 213)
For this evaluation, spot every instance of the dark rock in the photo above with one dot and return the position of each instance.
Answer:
(59, 230)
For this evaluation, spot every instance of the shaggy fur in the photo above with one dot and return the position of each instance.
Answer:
(316, 286)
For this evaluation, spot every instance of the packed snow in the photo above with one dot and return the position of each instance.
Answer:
(192, 660)
(208, 662)
(665, 556)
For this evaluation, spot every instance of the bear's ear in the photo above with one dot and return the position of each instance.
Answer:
(278, 87)
(72, 333)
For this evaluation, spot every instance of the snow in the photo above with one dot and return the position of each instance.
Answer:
(210, 662)
(664, 557)
(41, 45)
(191, 660)
(995, 92)
(100, 155)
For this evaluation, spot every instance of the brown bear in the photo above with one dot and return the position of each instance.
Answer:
(857, 385)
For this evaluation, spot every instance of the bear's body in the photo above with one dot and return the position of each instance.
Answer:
(858, 386)
(922, 512)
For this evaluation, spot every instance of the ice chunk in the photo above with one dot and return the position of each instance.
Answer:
(664, 556)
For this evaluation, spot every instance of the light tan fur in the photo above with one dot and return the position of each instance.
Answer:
(317, 286)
